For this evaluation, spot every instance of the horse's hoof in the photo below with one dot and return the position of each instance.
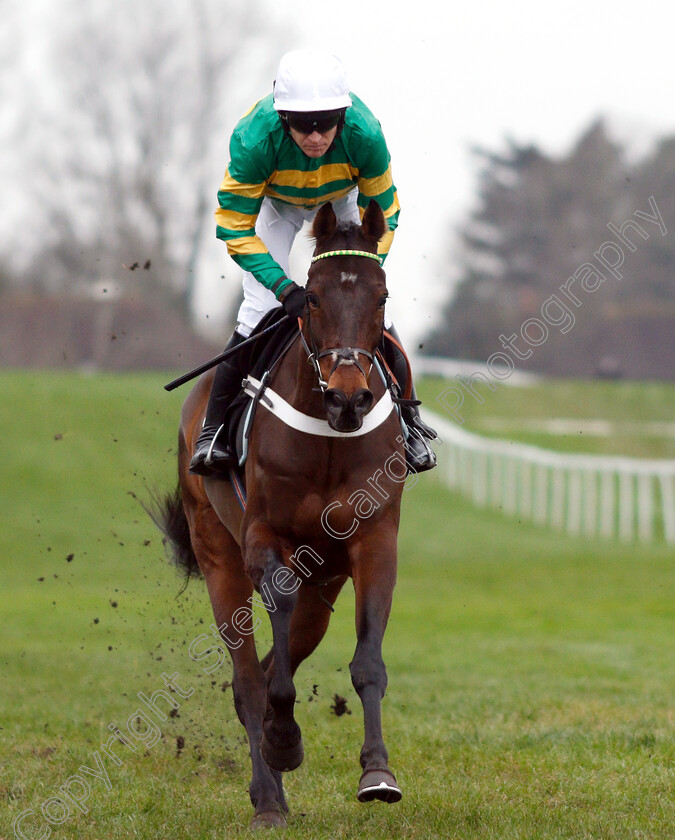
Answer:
(268, 819)
(282, 759)
(378, 784)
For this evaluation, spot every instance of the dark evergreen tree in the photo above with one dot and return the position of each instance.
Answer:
(533, 238)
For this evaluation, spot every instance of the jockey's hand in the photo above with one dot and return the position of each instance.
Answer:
(293, 300)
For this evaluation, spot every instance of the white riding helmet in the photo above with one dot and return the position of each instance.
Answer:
(311, 80)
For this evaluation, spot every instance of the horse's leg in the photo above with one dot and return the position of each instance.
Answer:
(229, 590)
(309, 623)
(374, 572)
(281, 744)
(249, 687)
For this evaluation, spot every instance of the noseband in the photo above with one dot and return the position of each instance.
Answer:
(341, 355)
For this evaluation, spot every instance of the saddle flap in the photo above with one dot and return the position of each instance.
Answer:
(257, 360)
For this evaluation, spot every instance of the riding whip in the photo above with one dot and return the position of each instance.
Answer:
(186, 377)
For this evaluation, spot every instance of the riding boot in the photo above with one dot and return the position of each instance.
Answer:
(213, 454)
(419, 455)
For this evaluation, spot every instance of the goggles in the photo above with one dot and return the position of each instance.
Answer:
(321, 121)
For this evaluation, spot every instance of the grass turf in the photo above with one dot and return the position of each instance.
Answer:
(530, 676)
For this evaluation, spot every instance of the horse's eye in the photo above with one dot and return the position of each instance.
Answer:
(381, 302)
(313, 301)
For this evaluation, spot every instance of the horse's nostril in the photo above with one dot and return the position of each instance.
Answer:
(345, 413)
(335, 400)
(361, 401)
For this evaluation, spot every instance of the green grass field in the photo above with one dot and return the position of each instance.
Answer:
(640, 416)
(531, 676)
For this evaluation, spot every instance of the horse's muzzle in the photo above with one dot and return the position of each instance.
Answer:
(346, 413)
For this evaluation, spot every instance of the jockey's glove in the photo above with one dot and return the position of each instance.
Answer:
(293, 300)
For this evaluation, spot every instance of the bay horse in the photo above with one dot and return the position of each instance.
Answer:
(323, 505)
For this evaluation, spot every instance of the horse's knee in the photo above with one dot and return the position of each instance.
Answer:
(368, 672)
(279, 589)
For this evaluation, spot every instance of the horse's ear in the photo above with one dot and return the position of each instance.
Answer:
(374, 224)
(325, 222)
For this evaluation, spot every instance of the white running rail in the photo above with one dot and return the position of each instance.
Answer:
(628, 498)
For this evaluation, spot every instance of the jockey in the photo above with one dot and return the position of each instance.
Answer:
(309, 142)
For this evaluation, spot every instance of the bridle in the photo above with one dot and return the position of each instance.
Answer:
(341, 355)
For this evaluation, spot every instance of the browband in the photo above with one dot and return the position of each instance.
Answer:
(348, 253)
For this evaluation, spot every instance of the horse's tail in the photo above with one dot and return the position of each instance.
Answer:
(168, 514)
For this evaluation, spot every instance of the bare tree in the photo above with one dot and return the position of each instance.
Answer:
(132, 139)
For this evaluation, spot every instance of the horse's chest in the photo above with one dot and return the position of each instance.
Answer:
(333, 514)
(324, 489)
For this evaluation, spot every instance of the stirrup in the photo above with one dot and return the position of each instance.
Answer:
(421, 457)
(204, 464)
(424, 430)
(208, 458)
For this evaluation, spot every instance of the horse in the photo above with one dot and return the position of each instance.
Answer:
(323, 505)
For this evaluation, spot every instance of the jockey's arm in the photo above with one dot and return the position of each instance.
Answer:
(239, 200)
(375, 183)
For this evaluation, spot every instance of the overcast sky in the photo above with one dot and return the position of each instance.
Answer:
(441, 76)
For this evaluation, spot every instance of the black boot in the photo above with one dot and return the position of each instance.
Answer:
(213, 454)
(419, 455)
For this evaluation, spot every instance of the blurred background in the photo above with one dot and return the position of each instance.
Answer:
(517, 134)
